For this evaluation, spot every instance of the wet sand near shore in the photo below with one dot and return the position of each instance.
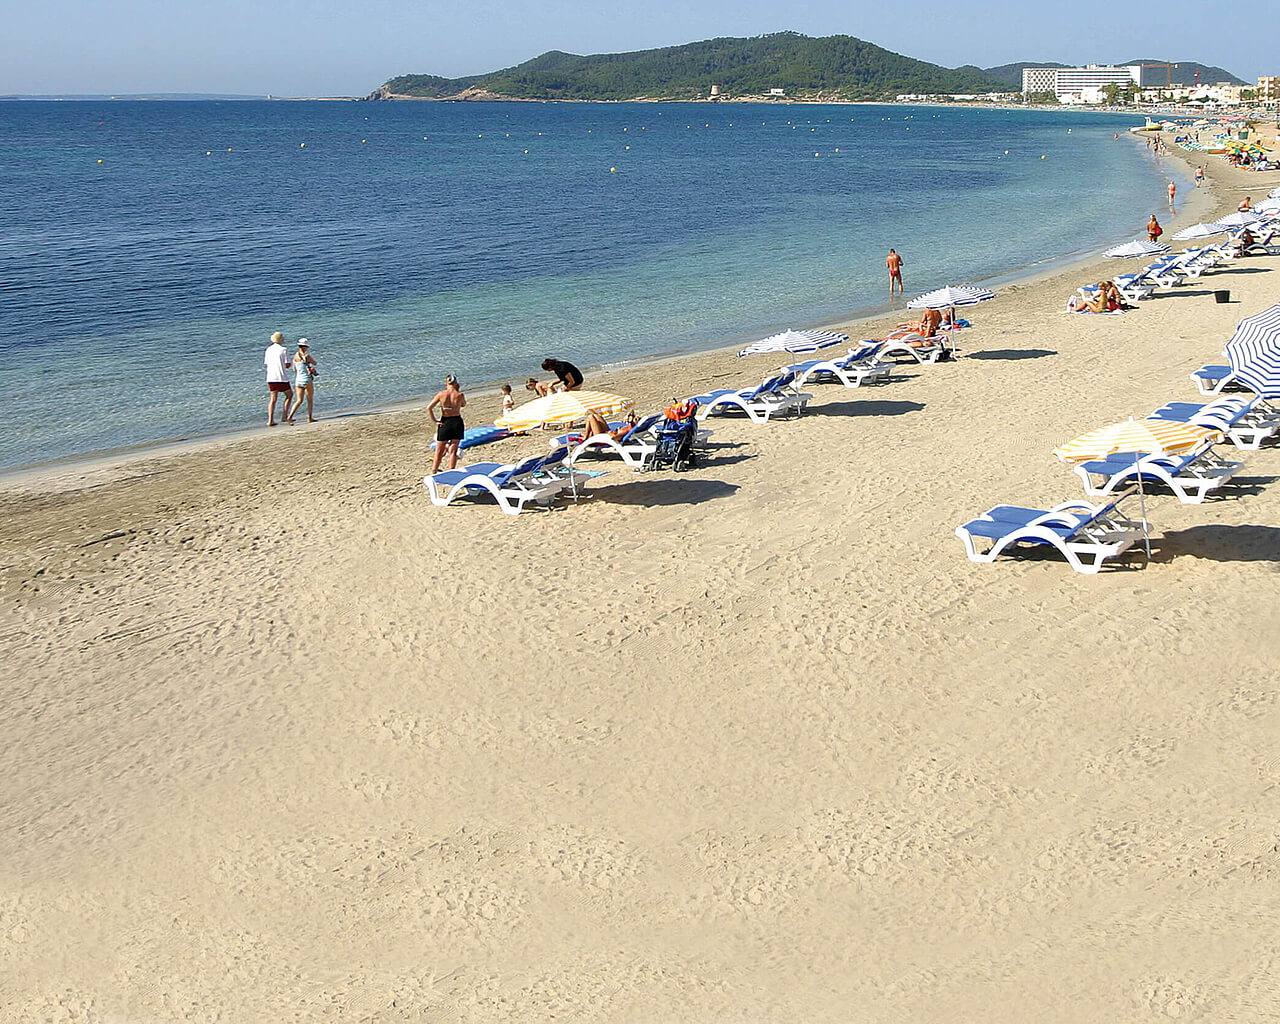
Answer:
(282, 741)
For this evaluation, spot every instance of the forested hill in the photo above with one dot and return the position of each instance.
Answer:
(833, 67)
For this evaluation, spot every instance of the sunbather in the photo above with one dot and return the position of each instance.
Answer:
(597, 425)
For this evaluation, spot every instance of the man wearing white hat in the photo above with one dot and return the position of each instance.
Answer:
(276, 360)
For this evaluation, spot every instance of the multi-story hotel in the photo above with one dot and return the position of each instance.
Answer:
(1064, 82)
(1268, 88)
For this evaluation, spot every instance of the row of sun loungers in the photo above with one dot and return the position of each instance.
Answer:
(1087, 535)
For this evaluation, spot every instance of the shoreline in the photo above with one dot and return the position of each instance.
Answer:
(35, 475)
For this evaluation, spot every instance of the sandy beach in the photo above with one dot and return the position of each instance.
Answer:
(283, 742)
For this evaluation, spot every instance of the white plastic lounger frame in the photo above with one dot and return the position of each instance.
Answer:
(513, 486)
(1086, 535)
(925, 351)
(775, 397)
(1191, 478)
(849, 371)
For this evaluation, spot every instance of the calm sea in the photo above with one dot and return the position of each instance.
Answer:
(148, 249)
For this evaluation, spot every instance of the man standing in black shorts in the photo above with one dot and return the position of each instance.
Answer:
(570, 376)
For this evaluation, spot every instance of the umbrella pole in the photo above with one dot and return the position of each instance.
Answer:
(1142, 506)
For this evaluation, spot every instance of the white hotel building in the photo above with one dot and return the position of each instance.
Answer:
(1070, 82)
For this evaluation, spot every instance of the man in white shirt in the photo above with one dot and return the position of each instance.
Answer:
(276, 361)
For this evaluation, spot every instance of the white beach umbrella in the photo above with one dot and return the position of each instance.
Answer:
(1254, 352)
(1268, 205)
(1238, 220)
(952, 296)
(1198, 231)
(795, 341)
(1141, 247)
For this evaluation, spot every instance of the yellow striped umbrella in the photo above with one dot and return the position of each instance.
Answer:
(563, 407)
(1150, 436)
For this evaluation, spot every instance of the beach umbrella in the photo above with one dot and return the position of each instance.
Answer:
(563, 407)
(795, 341)
(1141, 247)
(1254, 352)
(1140, 437)
(1238, 220)
(1268, 205)
(1274, 194)
(1146, 437)
(1198, 231)
(952, 296)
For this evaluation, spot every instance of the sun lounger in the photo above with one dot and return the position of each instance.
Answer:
(1085, 534)
(1191, 476)
(1246, 422)
(925, 351)
(860, 366)
(777, 396)
(538, 479)
(635, 447)
(1214, 378)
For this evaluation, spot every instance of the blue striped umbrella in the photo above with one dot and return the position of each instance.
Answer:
(1131, 250)
(1254, 352)
(796, 341)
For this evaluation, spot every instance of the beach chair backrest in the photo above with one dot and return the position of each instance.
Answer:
(640, 427)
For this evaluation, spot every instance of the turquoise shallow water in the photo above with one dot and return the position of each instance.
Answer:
(410, 240)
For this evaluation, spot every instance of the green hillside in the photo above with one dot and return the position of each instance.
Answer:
(835, 67)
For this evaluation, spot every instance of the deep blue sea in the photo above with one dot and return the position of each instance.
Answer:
(148, 249)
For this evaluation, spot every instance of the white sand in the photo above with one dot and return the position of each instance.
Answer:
(281, 741)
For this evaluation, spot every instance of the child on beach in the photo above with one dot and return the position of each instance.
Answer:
(541, 387)
(508, 403)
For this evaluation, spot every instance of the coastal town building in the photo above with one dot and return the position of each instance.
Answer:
(1268, 88)
(1071, 82)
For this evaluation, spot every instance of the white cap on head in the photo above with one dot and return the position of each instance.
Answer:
(303, 342)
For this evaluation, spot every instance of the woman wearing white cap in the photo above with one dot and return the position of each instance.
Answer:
(304, 386)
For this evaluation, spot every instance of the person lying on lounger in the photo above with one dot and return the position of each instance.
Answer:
(596, 425)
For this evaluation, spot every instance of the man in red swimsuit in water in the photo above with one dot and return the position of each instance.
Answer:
(894, 262)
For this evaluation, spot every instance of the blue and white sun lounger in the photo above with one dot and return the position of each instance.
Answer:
(1247, 422)
(860, 366)
(775, 397)
(1214, 378)
(537, 479)
(635, 447)
(1191, 477)
(1085, 534)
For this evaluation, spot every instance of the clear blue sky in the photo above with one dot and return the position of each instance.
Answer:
(338, 47)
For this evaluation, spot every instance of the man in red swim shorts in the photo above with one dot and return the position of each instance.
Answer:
(894, 262)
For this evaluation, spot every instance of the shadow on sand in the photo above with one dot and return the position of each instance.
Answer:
(1220, 544)
(673, 489)
(1013, 353)
(872, 407)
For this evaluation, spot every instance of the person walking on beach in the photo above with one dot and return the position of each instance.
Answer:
(894, 262)
(1154, 230)
(570, 376)
(276, 360)
(304, 385)
(449, 427)
(1199, 176)
(1173, 191)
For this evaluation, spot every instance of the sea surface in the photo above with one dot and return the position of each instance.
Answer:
(148, 249)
